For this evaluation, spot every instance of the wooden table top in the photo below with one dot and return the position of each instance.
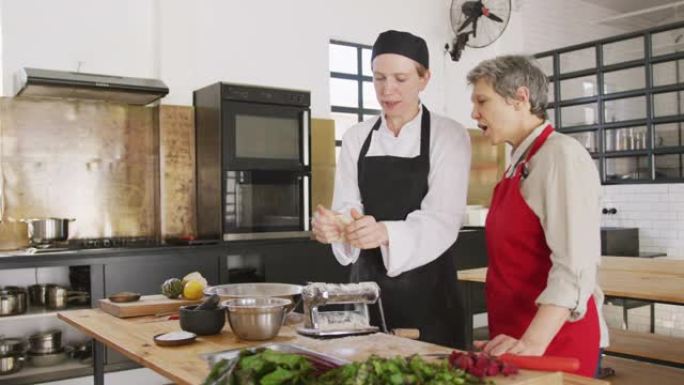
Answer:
(184, 364)
(659, 280)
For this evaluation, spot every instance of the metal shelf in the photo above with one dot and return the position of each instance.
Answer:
(39, 312)
(33, 375)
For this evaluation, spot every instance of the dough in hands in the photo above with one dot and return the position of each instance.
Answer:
(342, 221)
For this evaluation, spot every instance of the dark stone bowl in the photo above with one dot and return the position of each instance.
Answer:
(202, 322)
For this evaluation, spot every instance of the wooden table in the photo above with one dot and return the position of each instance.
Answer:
(184, 364)
(659, 280)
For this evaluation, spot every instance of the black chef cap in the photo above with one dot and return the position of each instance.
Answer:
(402, 43)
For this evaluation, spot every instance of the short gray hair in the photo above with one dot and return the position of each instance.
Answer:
(507, 73)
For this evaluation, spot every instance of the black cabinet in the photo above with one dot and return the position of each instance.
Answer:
(287, 261)
(303, 262)
(146, 274)
(619, 241)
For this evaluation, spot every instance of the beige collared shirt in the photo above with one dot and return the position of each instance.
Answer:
(563, 189)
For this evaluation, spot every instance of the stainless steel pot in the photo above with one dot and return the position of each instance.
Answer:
(38, 295)
(47, 342)
(11, 346)
(13, 300)
(56, 297)
(43, 231)
(11, 363)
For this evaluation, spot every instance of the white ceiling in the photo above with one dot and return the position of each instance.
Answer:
(634, 15)
(625, 6)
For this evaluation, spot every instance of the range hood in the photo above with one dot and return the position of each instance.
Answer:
(64, 84)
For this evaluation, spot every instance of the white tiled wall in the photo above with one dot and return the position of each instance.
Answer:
(656, 209)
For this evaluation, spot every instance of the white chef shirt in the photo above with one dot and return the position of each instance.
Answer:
(425, 233)
(563, 189)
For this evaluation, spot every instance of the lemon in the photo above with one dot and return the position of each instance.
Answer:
(193, 290)
(195, 276)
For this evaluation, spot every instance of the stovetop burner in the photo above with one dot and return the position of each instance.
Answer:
(94, 243)
(97, 243)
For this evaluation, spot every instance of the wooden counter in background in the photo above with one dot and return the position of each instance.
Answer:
(659, 280)
(184, 365)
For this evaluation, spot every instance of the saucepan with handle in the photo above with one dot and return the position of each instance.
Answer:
(44, 231)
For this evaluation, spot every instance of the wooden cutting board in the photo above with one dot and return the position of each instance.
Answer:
(147, 305)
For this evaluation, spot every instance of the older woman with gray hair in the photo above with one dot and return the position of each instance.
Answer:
(543, 227)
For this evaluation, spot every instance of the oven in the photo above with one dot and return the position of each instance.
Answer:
(252, 162)
(266, 203)
(264, 136)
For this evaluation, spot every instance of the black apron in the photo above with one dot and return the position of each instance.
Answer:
(426, 298)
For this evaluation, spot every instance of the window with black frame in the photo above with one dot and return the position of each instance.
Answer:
(352, 96)
(622, 98)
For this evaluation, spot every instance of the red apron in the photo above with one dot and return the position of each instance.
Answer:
(519, 264)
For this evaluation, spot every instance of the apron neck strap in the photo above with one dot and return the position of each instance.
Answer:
(424, 135)
(538, 142)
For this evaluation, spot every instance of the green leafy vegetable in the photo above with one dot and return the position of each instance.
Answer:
(270, 367)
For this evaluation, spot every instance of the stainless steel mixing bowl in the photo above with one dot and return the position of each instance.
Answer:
(257, 318)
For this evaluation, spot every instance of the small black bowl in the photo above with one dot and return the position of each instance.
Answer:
(202, 322)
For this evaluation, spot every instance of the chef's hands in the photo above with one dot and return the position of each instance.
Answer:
(365, 232)
(506, 344)
(326, 227)
(361, 231)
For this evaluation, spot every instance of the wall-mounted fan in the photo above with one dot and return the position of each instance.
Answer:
(474, 30)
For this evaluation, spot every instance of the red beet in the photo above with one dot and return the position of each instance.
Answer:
(480, 364)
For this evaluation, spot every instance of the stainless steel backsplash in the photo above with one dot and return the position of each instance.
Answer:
(93, 161)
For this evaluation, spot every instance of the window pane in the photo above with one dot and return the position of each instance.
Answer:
(342, 122)
(627, 168)
(369, 99)
(667, 42)
(668, 166)
(552, 89)
(625, 109)
(624, 50)
(578, 87)
(586, 139)
(624, 80)
(344, 93)
(668, 135)
(342, 59)
(337, 154)
(668, 104)
(671, 72)
(626, 139)
(578, 60)
(546, 64)
(597, 163)
(583, 114)
(551, 115)
(366, 62)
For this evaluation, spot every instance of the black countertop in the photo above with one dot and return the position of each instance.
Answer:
(11, 259)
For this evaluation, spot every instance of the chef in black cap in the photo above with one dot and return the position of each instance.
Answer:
(399, 199)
